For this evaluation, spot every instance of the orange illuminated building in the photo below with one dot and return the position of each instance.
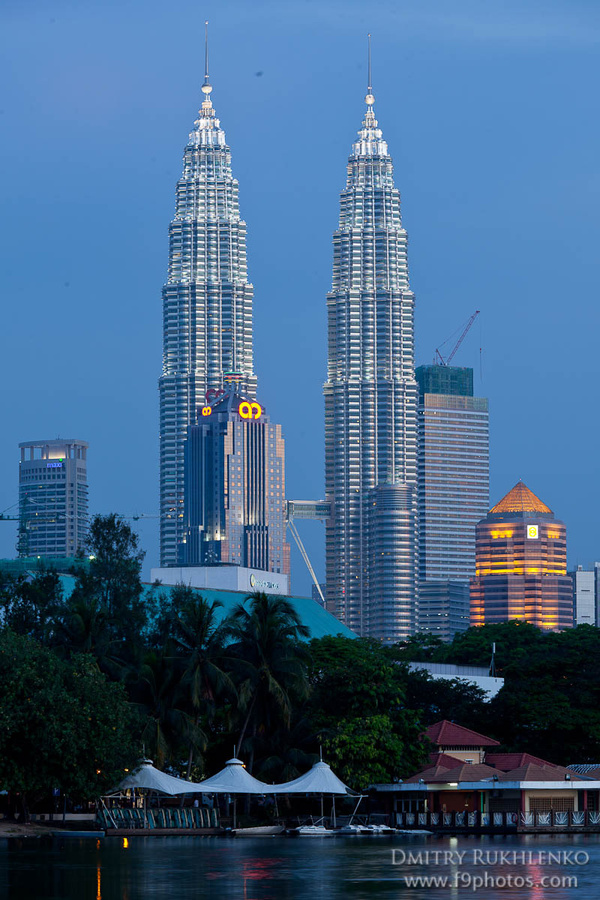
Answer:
(521, 564)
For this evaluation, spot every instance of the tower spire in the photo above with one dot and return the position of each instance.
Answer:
(206, 87)
(369, 99)
(206, 81)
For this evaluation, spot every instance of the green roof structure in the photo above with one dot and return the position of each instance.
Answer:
(320, 622)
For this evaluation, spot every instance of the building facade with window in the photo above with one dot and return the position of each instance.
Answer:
(453, 492)
(53, 498)
(234, 502)
(585, 595)
(521, 565)
(371, 403)
(207, 307)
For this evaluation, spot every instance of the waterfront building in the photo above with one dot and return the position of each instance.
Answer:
(53, 498)
(521, 564)
(470, 786)
(453, 493)
(207, 306)
(234, 499)
(371, 403)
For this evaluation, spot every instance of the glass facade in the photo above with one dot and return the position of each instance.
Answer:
(453, 473)
(234, 510)
(371, 403)
(521, 565)
(447, 380)
(444, 607)
(207, 307)
(53, 498)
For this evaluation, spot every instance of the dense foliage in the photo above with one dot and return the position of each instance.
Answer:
(94, 679)
(62, 724)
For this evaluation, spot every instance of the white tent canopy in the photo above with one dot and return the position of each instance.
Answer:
(151, 779)
(234, 779)
(318, 780)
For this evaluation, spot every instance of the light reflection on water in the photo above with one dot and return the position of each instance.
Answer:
(279, 868)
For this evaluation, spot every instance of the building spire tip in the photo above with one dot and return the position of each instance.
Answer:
(369, 99)
(206, 87)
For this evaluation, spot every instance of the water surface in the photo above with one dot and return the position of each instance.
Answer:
(281, 868)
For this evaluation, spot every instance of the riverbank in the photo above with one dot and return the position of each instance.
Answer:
(10, 829)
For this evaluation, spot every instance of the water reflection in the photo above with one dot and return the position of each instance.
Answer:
(284, 869)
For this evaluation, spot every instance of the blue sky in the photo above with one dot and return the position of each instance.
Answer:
(491, 114)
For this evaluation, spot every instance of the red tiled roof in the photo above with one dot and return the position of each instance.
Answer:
(448, 734)
(426, 775)
(533, 772)
(444, 759)
(466, 772)
(508, 761)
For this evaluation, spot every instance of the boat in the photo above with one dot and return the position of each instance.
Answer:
(67, 833)
(379, 829)
(313, 831)
(353, 829)
(258, 830)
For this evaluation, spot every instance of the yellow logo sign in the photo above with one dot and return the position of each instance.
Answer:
(533, 531)
(206, 411)
(250, 410)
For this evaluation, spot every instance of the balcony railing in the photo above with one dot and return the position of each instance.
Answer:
(501, 820)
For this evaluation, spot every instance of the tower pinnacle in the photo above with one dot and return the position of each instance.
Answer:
(369, 99)
(206, 87)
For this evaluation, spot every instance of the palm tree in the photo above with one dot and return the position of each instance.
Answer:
(159, 697)
(199, 641)
(271, 663)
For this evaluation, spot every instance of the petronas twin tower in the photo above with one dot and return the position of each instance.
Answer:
(370, 392)
(207, 307)
(371, 402)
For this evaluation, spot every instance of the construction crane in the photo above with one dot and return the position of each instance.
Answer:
(439, 359)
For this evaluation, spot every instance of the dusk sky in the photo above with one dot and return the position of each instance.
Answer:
(490, 111)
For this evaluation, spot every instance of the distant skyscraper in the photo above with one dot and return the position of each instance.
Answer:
(234, 511)
(521, 565)
(453, 467)
(207, 303)
(53, 497)
(371, 403)
(585, 598)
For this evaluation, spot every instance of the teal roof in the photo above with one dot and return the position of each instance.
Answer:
(33, 564)
(320, 622)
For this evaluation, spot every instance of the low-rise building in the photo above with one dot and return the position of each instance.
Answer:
(468, 784)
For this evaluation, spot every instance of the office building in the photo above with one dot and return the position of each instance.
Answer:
(234, 504)
(371, 403)
(453, 493)
(53, 498)
(444, 607)
(207, 306)
(521, 564)
(585, 595)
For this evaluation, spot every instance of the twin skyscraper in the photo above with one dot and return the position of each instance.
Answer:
(222, 478)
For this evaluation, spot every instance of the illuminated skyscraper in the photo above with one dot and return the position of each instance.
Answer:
(207, 306)
(371, 403)
(53, 498)
(235, 488)
(521, 564)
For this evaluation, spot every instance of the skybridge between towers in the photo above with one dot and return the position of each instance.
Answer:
(307, 509)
